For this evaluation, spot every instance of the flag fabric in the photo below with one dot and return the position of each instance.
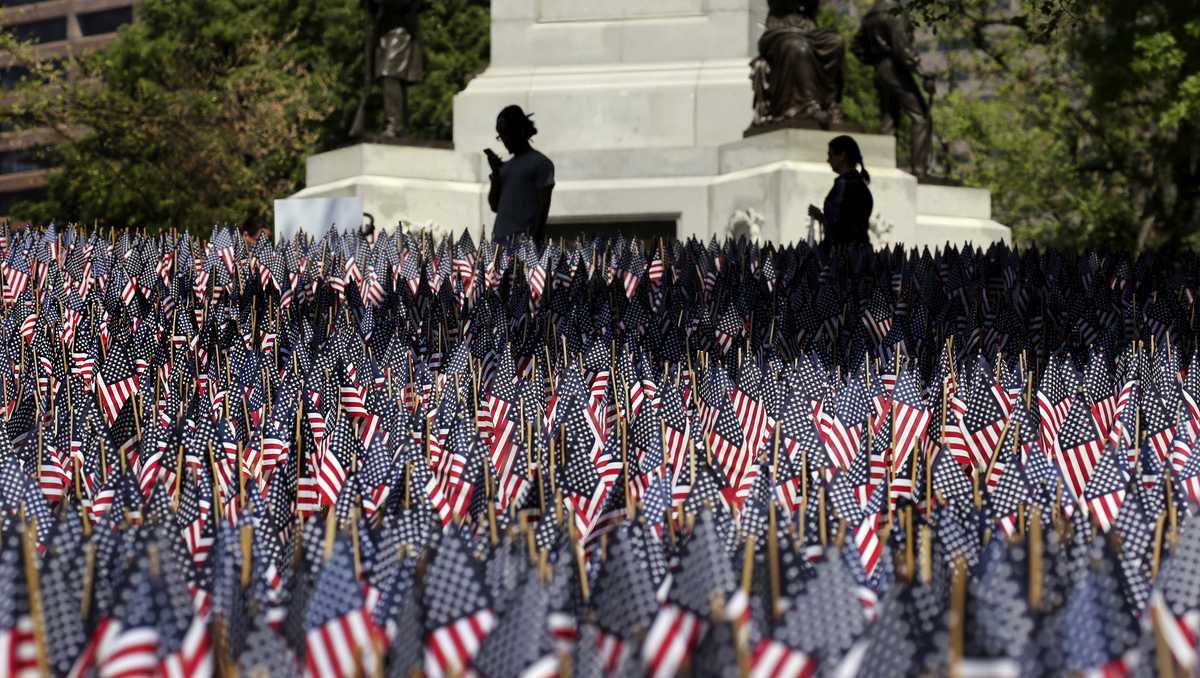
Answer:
(910, 418)
(338, 627)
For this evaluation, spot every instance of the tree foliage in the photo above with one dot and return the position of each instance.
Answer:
(1085, 127)
(203, 112)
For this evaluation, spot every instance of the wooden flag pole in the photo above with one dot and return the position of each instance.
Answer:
(28, 539)
(623, 427)
(354, 543)
(330, 534)
(822, 521)
(247, 539)
(1035, 556)
(957, 619)
(772, 558)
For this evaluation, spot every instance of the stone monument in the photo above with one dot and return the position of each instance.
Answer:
(642, 106)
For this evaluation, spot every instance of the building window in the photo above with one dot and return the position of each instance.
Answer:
(46, 30)
(27, 159)
(9, 200)
(106, 21)
(12, 76)
(947, 44)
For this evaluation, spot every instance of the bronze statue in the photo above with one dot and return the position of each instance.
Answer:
(885, 41)
(395, 56)
(799, 74)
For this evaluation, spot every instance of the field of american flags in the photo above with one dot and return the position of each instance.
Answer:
(607, 457)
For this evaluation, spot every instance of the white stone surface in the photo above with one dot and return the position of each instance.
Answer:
(642, 107)
(616, 73)
(943, 201)
(314, 216)
(776, 175)
(659, 105)
(934, 232)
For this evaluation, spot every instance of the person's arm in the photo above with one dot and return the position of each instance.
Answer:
(495, 164)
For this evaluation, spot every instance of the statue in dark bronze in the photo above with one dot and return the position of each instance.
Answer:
(395, 57)
(799, 74)
(885, 41)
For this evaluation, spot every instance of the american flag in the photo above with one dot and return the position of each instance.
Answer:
(1106, 489)
(1054, 397)
(877, 316)
(729, 327)
(1158, 425)
(1079, 446)
(338, 630)
(706, 573)
(590, 471)
(910, 418)
(115, 383)
(337, 461)
(842, 426)
(502, 430)
(130, 643)
(984, 417)
(458, 608)
(16, 271)
(222, 246)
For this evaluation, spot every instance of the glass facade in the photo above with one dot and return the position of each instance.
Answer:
(105, 21)
(12, 76)
(46, 30)
(27, 159)
(88, 23)
(7, 200)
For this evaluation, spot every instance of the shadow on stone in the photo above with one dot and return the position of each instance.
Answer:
(385, 140)
(801, 123)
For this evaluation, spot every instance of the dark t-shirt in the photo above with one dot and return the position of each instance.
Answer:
(521, 180)
(848, 211)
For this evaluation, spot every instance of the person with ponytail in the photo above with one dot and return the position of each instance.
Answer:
(847, 213)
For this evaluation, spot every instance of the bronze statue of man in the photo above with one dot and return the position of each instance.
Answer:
(395, 57)
(885, 41)
(799, 74)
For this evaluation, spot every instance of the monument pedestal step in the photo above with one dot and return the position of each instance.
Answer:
(759, 186)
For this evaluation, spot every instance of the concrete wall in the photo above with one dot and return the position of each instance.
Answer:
(617, 73)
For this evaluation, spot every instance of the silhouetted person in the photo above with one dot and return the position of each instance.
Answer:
(367, 230)
(847, 214)
(522, 186)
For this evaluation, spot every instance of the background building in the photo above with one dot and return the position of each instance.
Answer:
(56, 26)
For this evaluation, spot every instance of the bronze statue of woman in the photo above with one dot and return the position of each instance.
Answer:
(799, 74)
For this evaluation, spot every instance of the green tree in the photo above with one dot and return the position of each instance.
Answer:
(203, 112)
(859, 102)
(457, 36)
(1082, 118)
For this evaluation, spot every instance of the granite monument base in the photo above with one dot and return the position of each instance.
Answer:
(760, 187)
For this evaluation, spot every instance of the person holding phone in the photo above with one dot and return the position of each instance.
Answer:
(521, 187)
